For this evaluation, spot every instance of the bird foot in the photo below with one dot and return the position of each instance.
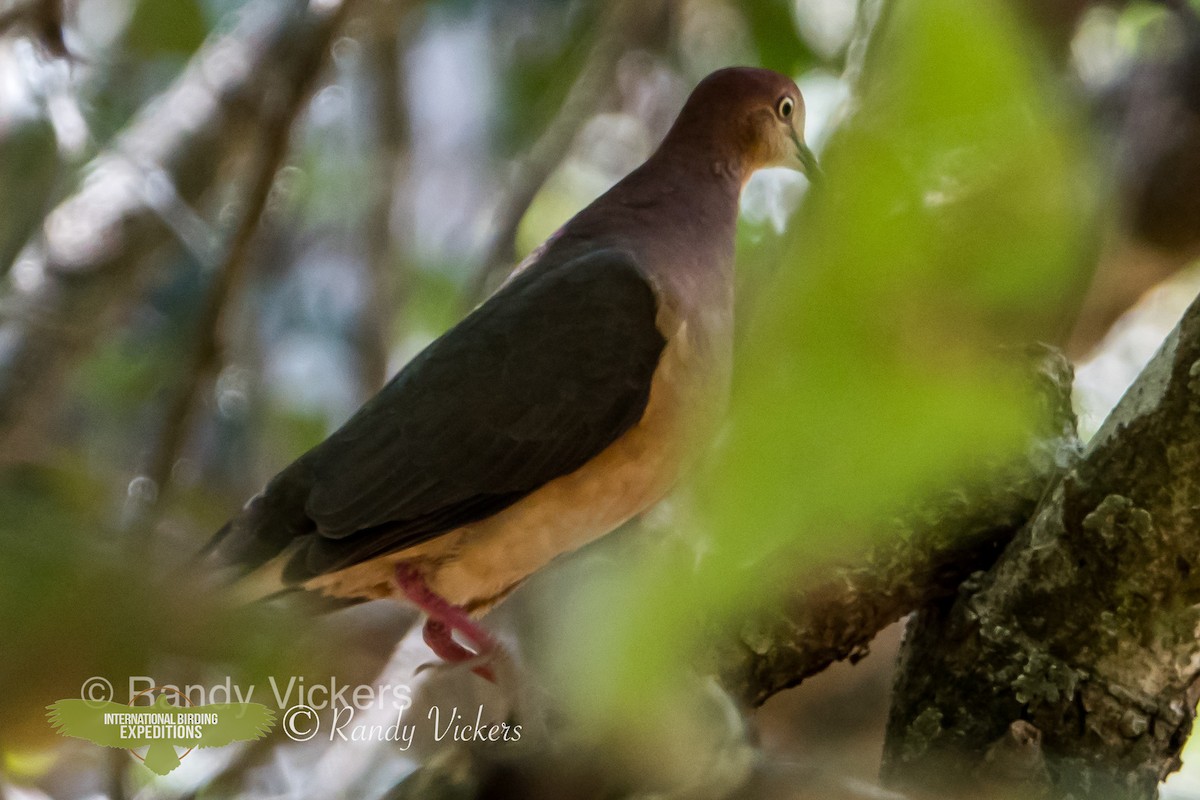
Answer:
(440, 638)
(445, 619)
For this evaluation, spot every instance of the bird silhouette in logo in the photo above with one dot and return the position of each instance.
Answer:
(161, 727)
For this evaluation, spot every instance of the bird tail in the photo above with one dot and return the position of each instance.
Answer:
(208, 551)
(239, 558)
(247, 556)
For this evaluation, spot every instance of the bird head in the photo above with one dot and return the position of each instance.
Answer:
(748, 119)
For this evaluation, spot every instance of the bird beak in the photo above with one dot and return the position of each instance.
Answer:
(807, 161)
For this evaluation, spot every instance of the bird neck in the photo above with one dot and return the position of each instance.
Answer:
(698, 166)
(682, 198)
(677, 213)
(719, 145)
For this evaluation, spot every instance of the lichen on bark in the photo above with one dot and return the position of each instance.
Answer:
(1086, 626)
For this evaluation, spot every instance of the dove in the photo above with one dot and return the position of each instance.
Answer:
(564, 405)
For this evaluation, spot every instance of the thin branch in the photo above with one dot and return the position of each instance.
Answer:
(625, 21)
(386, 292)
(205, 359)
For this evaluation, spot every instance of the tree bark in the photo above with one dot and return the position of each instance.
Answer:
(1086, 627)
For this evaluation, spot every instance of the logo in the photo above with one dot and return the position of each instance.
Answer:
(163, 728)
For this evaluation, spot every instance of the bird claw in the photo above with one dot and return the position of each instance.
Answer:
(479, 664)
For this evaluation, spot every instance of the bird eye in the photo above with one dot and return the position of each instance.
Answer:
(786, 104)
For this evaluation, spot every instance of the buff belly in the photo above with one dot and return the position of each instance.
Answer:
(477, 565)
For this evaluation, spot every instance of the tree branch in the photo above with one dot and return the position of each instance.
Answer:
(927, 556)
(920, 559)
(1085, 628)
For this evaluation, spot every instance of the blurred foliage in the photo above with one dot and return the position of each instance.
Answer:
(29, 168)
(954, 217)
(432, 303)
(149, 51)
(76, 601)
(1141, 24)
(166, 27)
(780, 46)
(324, 191)
(295, 432)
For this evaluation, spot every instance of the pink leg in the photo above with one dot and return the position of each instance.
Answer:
(444, 619)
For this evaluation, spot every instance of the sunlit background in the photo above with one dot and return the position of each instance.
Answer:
(975, 178)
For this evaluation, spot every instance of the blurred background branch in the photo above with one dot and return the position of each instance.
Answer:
(389, 282)
(270, 134)
(626, 24)
(102, 243)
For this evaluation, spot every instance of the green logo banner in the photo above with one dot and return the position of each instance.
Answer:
(161, 727)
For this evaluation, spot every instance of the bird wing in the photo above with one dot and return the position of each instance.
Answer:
(84, 719)
(236, 722)
(538, 380)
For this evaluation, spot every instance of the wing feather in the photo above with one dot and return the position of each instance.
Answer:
(552, 369)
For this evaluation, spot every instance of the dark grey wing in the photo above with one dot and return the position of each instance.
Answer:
(535, 382)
